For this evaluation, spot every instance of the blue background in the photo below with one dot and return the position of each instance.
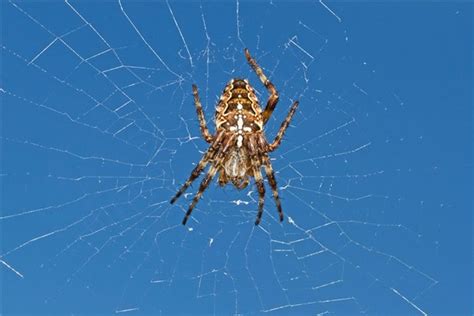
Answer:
(99, 131)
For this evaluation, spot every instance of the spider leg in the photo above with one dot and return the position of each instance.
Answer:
(273, 184)
(273, 98)
(202, 121)
(283, 127)
(202, 187)
(258, 177)
(261, 194)
(200, 166)
(210, 174)
(194, 175)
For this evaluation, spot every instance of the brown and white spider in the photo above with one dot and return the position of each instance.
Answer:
(239, 149)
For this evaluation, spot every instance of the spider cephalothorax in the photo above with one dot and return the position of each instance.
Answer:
(239, 148)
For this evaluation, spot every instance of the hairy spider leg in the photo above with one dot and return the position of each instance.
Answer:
(261, 194)
(202, 187)
(202, 121)
(273, 98)
(283, 127)
(273, 184)
(210, 174)
(200, 166)
(252, 145)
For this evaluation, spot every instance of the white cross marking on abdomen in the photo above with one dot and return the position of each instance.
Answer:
(240, 126)
(239, 141)
(240, 122)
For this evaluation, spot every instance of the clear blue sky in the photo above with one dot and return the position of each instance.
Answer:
(99, 131)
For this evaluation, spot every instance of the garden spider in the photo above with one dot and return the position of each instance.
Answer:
(239, 149)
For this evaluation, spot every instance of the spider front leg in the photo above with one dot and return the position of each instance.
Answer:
(202, 187)
(261, 193)
(194, 175)
(200, 166)
(202, 121)
(283, 127)
(210, 174)
(273, 184)
(273, 98)
(254, 158)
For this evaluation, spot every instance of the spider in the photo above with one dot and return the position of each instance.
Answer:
(239, 149)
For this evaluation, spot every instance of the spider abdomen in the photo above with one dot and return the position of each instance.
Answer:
(238, 109)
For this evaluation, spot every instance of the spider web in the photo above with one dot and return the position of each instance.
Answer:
(100, 131)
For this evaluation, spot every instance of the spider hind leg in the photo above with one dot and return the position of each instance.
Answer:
(284, 125)
(200, 113)
(273, 98)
